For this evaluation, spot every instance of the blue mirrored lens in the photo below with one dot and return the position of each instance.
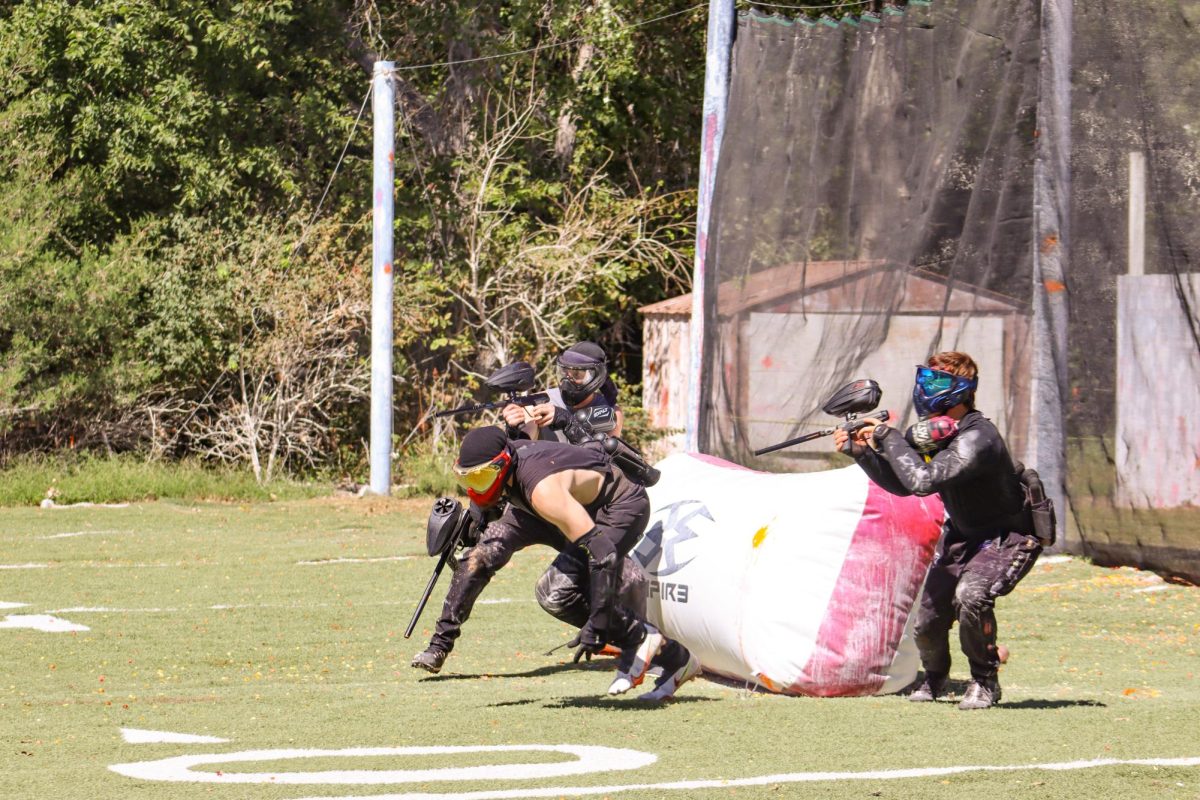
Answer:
(933, 381)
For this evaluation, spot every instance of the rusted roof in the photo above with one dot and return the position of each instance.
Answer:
(837, 285)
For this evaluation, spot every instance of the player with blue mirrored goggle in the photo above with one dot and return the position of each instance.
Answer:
(936, 392)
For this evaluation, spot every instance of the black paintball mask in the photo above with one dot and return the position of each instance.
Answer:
(582, 370)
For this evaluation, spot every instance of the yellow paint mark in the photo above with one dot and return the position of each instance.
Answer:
(760, 535)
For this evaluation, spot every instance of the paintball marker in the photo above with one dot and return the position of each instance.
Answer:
(450, 526)
(511, 379)
(856, 397)
(592, 425)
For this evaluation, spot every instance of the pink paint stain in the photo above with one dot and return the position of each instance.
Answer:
(875, 591)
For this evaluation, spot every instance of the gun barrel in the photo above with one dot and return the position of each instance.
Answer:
(808, 437)
(433, 579)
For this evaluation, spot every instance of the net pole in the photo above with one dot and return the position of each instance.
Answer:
(383, 186)
(721, 17)
(1051, 248)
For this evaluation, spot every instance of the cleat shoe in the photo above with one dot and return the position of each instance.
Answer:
(928, 690)
(634, 661)
(673, 676)
(980, 694)
(430, 660)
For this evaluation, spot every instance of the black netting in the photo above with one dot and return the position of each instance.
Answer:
(956, 176)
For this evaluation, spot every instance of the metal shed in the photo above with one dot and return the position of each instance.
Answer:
(775, 323)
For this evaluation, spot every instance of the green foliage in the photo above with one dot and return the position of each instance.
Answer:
(424, 471)
(162, 164)
(67, 479)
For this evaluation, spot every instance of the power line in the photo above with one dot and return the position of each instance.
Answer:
(810, 8)
(345, 147)
(540, 47)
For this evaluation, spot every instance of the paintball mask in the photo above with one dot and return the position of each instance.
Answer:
(480, 472)
(936, 392)
(582, 370)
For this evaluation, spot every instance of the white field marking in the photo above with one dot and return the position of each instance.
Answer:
(13, 605)
(496, 601)
(1059, 559)
(765, 780)
(1161, 587)
(588, 759)
(41, 622)
(245, 606)
(69, 534)
(320, 562)
(139, 736)
(24, 566)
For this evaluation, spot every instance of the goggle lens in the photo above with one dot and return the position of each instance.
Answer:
(478, 478)
(933, 381)
(579, 375)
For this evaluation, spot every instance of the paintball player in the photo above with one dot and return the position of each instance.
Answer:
(583, 383)
(577, 493)
(582, 370)
(987, 544)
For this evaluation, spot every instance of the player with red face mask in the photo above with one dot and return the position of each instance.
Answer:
(601, 512)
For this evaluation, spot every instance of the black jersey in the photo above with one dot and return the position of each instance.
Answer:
(974, 475)
(537, 460)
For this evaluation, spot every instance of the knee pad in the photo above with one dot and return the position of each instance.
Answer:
(561, 596)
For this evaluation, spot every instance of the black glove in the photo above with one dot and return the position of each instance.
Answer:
(589, 642)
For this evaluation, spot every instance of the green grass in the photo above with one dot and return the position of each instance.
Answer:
(204, 620)
(88, 479)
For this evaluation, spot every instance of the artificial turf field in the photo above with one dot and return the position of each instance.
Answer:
(278, 628)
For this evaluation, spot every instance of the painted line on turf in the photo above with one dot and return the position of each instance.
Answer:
(589, 759)
(140, 736)
(13, 605)
(71, 534)
(24, 566)
(41, 622)
(248, 606)
(766, 780)
(320, 562)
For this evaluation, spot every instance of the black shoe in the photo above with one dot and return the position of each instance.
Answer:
(430, 659)
(980, 694)
(928, 690)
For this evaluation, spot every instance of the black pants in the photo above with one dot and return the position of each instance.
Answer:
(514, 531)
(562, 589)
(963, 584)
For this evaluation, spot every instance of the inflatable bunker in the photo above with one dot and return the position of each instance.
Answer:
(802, 583)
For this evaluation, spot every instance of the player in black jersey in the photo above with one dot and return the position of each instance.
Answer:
(576, 491)
(987, 542)
(583, 384)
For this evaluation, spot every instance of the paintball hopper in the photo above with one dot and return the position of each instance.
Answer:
(856, 397)
(444, 519)
(515, 377)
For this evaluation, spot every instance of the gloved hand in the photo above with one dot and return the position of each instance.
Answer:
(589, 640)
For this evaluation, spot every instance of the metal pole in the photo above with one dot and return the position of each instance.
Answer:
(1137, 213)
(721, 18)
(1051, 249)
(383, 110)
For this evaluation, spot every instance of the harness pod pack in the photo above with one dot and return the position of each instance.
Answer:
(803, 583)
(1040, 507)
